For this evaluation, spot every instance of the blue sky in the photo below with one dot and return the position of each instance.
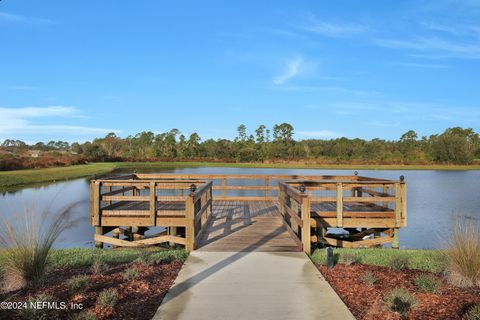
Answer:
(74, 70)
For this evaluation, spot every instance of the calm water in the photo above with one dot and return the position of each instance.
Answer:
(433, 198)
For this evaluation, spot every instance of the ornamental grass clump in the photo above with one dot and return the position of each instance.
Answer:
(399, 300)
(26, 243)
(78, 284)
(399, 262)
(426, 283)
(130, 274)
(108, 298)
(369, 278)
(33, 312)
(473, 313)
(98, 267)
(463, 253)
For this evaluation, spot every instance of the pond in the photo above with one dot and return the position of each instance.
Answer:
(433, 198)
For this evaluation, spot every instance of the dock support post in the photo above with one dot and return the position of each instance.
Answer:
(340, 205)
(396, 242)
(99, 231)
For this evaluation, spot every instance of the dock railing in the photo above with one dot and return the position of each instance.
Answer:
(374, 206)
(294, 205)
(128, 205)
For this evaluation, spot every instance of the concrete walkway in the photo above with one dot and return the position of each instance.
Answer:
(251, 285)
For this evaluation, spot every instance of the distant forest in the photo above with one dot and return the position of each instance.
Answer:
(453, 146)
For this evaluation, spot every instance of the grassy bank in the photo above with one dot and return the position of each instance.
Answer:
(425, 260)
(85, 257)
(10, 180)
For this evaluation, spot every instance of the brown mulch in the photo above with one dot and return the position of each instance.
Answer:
(137, 299)
(366, 302)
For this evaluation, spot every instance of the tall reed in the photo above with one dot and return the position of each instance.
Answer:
(26, 242)
(463, 252)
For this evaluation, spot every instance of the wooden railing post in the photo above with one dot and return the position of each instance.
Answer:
(96, 194)
(210, 192)
(153, 204)
(294, 206)
(224, 184)
(95, 204)
(404, 203)
(190, 225)
(339, 205)
(398, 205)
(306, 236)
(267, 187)
(398, 215)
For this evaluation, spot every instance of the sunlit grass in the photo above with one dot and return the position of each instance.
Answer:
(426, 260)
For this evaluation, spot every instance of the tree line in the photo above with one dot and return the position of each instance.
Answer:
(454, 146)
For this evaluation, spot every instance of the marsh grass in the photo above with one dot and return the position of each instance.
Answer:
(463, 253)
(25, 245)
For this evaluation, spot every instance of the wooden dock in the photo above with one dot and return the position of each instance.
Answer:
(247, 212)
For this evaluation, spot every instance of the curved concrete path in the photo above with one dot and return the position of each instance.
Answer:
(251, 285)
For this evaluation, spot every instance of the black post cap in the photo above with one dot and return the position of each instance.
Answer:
(302, 188)
(193, 187)
(355, 173)
(402, 178)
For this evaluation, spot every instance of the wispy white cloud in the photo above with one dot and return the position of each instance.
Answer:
(331, 29)
(24, 121)
(424, 65)
(323, 134)
(15, 18)
(435, 26)
(434, 47)
(332, 89)
(293, 67)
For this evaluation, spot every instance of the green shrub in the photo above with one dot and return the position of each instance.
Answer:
(77, 284)
(369, 278)
(98, 267)
(28, 242)
(473, 313)
(84, 315)
(130, 274)
(36, 313)
(426, 283)
(108, 298)
(399, 300)
(463, 252)
(399, 262)
(349, 258)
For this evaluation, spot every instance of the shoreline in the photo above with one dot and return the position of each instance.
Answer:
(17, 179)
